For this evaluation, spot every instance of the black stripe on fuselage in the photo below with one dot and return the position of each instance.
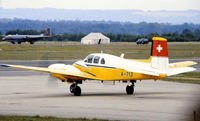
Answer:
(89, 73)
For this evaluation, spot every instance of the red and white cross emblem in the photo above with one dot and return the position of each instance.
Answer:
(159, 48)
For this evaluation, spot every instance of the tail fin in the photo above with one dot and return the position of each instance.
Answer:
(48, 32)
(159, 53)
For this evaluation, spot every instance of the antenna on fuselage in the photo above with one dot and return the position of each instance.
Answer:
(122, 55)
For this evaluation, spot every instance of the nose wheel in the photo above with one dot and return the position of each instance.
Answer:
(130, 88)
(74, 88)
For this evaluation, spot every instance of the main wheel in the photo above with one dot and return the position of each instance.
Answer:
(31, 42)
(72, 88)
(12, 42)
(77, 91)
(129, 90)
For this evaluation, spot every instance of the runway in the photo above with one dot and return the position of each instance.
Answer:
(46, 63)
(27, 93)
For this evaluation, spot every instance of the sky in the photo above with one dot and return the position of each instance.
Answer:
(104, 4)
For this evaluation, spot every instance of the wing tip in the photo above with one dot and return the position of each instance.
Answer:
(195, 63)
(192, 62)
(4, 65)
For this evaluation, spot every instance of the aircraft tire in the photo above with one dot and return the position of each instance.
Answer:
(13, 42)
(72, 88)
(129, 90)
(31, 42)
(77, 91)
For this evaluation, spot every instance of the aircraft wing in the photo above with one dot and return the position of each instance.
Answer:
(26, 67)
(180, 67)
(67, 72)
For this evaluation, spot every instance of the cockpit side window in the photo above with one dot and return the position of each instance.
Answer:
(96, 59)
(102, 61)
(89, 59)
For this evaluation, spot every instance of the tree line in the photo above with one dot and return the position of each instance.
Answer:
(85, 27)
(185, 36)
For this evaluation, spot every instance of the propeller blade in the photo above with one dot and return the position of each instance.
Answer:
(52, 82)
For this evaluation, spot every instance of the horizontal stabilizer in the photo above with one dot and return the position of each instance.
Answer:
(174, 71)
(181, 64)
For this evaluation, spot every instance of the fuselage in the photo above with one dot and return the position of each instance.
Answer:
(109, 67)
(20, 37)
(24, 38)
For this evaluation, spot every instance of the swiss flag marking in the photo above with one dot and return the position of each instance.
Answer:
(159, 48)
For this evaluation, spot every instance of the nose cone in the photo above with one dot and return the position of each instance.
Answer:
(5, 38)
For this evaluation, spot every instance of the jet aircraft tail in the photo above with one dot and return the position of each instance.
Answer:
(48, 32)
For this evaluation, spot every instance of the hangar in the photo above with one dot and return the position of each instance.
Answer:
(95, 38)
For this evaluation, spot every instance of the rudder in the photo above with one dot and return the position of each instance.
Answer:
(159, 53)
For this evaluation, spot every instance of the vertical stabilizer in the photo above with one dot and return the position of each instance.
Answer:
(159, 53)
(48, 32)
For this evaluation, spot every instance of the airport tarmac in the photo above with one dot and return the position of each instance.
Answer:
(27, 93)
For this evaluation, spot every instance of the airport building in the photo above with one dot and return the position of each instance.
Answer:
(95, 38)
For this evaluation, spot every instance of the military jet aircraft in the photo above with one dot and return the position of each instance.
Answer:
(142, 41)
(106, 67)
(26, 38)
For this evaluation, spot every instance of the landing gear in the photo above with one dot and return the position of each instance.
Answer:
(31, 42)
(130, 88)
(77, 91)
(12, 42)
(74, 88)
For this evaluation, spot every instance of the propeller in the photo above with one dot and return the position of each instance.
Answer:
(52, 82)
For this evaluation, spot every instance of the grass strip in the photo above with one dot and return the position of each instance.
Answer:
(75, 50)
(45, 118)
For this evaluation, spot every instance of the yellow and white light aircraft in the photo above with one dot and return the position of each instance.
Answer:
(106, 67)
